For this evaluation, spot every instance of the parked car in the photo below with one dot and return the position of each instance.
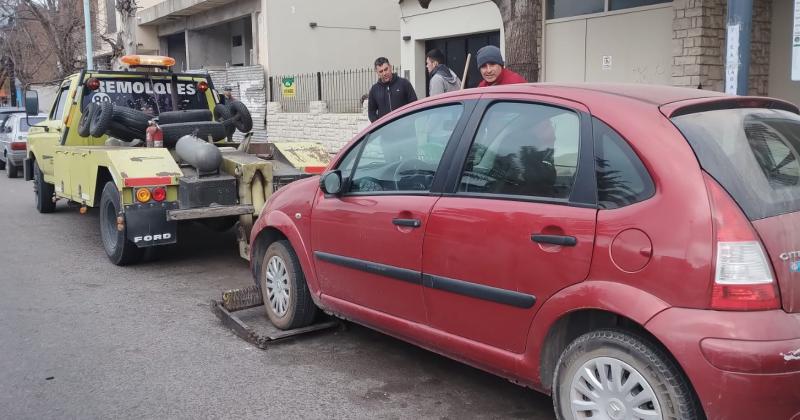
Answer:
(14, 141)
(632, 250)
(6, 112)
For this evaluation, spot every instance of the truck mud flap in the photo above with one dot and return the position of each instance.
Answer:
(147, 224)
(241, 311)
(27, 169)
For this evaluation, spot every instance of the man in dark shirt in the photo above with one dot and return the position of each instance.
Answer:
(389, 92)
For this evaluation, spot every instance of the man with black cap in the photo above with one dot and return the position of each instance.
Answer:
(493, 72)
(389, 92)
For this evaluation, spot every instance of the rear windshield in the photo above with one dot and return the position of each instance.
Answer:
(150, 97)
(753, 153)
(23, 124)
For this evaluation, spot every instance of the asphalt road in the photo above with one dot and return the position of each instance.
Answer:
(81, 338)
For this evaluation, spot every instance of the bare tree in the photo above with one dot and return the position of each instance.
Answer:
(62, 24)
(124, 41)
(521, 23)
(23, 46)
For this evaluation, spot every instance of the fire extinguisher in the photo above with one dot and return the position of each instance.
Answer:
(154, 137)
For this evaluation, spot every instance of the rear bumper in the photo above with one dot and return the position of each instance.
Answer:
(743, 365)
(16, 157)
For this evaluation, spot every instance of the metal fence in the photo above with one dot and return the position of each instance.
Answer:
(344, 91)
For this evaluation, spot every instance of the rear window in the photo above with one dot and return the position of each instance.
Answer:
(752, 153)
(23, 124)
(149, 96)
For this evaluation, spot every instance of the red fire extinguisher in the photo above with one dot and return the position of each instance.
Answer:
(154, 137)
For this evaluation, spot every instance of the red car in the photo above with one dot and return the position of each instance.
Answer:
(632, 250)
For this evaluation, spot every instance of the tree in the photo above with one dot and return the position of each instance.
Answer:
(521, 23)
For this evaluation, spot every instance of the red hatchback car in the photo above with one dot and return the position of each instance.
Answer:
(634, 251)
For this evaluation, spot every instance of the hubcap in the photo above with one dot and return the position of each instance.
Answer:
(608, 388)
(278, 285)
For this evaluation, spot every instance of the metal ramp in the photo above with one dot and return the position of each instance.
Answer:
(241, 311)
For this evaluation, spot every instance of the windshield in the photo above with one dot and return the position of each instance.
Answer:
(23, 125)
(142, 94)
(753, 153)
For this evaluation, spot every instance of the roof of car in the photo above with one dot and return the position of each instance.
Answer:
(653, 94)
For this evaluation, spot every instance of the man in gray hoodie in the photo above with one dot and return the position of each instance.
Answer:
(442, 78)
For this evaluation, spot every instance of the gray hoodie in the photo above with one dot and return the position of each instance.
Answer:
(444, 80)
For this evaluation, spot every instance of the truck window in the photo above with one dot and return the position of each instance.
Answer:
(57, 113)
(142, 94)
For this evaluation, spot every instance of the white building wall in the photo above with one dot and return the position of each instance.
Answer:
(442, 19)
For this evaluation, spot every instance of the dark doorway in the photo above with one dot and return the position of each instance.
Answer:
(455, 50)
(176, 48)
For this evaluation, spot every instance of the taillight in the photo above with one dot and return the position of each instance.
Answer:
(202, 86)
(159, 194)
(743, 278)
(19, 145)
(93, 83)
(143, 195)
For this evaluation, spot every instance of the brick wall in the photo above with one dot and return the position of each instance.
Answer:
(698, 44)
(332, 130)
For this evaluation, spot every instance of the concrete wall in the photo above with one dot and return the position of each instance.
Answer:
(210, 47)
(780, 64)
(332, 130)
(442, 19)
(342, 40)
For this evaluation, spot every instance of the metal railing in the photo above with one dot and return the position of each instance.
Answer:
(344, 90)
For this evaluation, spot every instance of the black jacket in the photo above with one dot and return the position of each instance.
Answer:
(386, 97)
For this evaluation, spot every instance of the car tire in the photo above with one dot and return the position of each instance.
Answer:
(11, 170)
(283, 287)
(124, 133)
(85, 123)
(188, 115)
(2, 164)
(43, 191)
(173, 132)
(241, 116)
(583, 383)
(223, 116)
(131, 118)
(119, 249)
(101, 119)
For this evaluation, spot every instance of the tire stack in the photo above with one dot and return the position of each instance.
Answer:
(128, 124)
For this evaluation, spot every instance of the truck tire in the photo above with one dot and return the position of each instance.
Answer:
(43, 191)
(119, 249)
(2, 164)
(188, 115)
(85, 123)
(131, 118)
(124, 133)
(101, 119)
(11, 169)
(284, 289)
(223, 115)
(241, 116)
(173, 132)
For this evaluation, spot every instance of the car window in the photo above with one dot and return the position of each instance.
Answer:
(58, 107)
(404, 154)
(621, 177)
(24, 126)
(523, 149)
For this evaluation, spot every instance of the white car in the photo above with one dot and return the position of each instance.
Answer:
(14, 141)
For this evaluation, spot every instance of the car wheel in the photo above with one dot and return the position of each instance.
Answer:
(43, 191)
(85, 123)
(614, 374)
(101, 119)
(241, 116)
(188, 115)
(11, 169)
(284, 289)
(119, 249)
(131, 118)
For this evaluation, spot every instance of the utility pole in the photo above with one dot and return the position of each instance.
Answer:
(87, 22)
(737, 56)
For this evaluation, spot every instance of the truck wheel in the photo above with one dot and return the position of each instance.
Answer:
(43, 191)
(284, 289)
(119, 249)
(188, 115)
(612, 373)
(223, 115)
(125, 133)
(85, 123)
(173, 132)
(101, 119)
(241, 116)
(11, 169)
(131, 118)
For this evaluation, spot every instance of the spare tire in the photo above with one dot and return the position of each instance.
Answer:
(125, 133)
(189, 115)
(101, 119)
(132, 118)
(241, 116)
(85, 123)
(223, 115)
(173, 132)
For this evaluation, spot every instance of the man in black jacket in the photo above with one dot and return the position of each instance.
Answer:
(389, 92)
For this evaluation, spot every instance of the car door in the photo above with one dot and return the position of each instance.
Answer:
(367, 241)
(5, 136)
(518, 222)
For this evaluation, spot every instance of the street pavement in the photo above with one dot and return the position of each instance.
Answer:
(83, 339)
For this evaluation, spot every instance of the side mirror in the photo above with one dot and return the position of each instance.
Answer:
(331, 183)
(31, 102)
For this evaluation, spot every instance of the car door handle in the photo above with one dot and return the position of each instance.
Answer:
(415, 223)
(554, 239)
